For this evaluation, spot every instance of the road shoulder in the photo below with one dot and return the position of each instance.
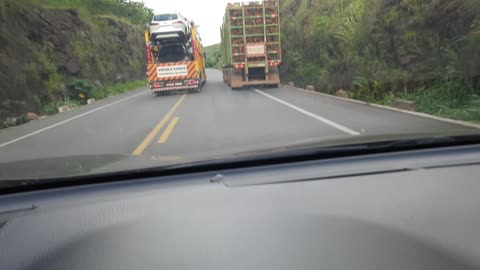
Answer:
(17, 133)
(418, 114)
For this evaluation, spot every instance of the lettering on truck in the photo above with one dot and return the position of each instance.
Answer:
(171, 71)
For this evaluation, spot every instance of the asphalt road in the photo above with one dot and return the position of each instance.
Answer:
(217, 121)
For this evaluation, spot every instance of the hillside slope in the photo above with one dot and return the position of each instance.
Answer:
(426, 51)
(44, 48)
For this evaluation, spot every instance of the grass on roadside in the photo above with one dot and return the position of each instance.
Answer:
(118, 88)
(98, 93)
(52, 108)
(93, 92)
(444, 100)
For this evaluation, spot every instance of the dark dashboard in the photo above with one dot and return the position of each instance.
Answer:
(404, 210)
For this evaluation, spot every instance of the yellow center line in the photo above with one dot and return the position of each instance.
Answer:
(168, 130)
(139, 150)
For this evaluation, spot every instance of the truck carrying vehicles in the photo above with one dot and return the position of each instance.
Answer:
(251, 44)
(175, 65)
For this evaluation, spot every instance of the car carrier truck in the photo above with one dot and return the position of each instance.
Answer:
(175, 66)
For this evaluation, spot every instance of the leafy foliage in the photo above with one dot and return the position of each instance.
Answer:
(214, 56)
(51, 51)
(379, 49)
(80, 89)
(134, 11)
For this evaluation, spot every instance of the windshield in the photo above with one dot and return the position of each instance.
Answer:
(90, 87)
(165, 17)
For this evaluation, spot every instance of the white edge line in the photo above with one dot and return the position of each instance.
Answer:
(68, 120)
(418, 114)
(319, 118)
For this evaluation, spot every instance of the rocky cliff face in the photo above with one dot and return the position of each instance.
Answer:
(41, 50)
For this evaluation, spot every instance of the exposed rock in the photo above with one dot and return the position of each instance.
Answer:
(310, 88)
(73, 67)
(342, 93)
(11, 121)
(32, 116)
(74, 12)
(406, 59)
(405, 105)
(64, 109)
(13, 103)
(98, 83)
(90, 101)
(28, 33)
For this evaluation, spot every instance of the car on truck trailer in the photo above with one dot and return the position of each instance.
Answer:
(175, 66)
(251, 44)
(170, 26)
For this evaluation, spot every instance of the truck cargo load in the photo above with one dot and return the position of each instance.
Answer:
(175, 67)
(251, 44)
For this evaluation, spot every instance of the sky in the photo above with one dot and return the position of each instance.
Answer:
(206, 13)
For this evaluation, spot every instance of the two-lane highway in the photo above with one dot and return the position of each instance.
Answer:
(217, 121)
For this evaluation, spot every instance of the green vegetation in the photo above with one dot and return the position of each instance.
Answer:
(214, 56)
(118, 88)
(134, 12)
(61, 52)
(81, 90)
(379, 51)
(52, 108)
(443, 100)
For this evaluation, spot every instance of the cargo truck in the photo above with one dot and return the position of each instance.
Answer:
(251, 44)
(175, 66)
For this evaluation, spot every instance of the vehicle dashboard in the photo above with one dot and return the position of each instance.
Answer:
(404, 210)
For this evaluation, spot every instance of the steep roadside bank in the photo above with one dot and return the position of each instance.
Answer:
(44, 52)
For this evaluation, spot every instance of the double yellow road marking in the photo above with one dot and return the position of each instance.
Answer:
(146, 142)
(168, 131)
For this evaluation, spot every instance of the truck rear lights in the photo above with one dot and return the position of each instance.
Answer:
(149, 54)
(156, 85)
(239, 65)
(274, 64)
(191, 82)
(195, 51)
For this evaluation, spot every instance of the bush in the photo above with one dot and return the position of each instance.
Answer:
(52, 108)
(79, 89)
(390, 44)
(379, 51)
